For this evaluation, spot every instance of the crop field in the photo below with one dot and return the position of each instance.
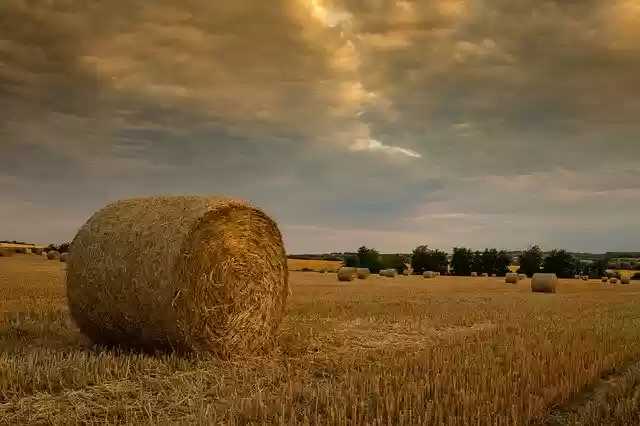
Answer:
(378, 351)
(316, 265)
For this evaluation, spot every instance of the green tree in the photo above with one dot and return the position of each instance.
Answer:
(476, 262)
(462, 261)
(423, 259)
(350, 261)
(369, 258)
(559, 262)
(396, 261)
(496, 262)
(531, 261)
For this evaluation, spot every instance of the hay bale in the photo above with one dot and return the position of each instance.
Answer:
(474, 274)
(511, 278)
(347, 273)
(406, 273)
(494, 275)
(5, 253)
(544, 283)
(613, 280)
(53, 255)
(522, 276)
(625, 279)
(193, 274)
(437, 274)
(429, 274)
(391, 273)
(485, 275)
(44, 254)
(64, 257)
(577, 277)
(363, 273)
(585, 278)
(605, 279)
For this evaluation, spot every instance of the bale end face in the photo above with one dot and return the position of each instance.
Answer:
(195, 274)
(544, 283)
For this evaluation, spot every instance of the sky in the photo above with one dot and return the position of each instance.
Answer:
(390, 124)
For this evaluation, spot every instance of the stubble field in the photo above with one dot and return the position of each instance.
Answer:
(377, 351)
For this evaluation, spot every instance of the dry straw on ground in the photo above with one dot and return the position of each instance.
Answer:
(53, 255)
(511, 278)
(429, 274)
(347, 274)
(625, 279)
(363, 273)
(544, 283)
(202, 274)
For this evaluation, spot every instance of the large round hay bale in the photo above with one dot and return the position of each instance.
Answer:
(194, 274)
(363, 273)
(347, 273)
(613, 280)
(577, 277)
(64, 257)
(406, 273)
(605, 279)
(522, 276)
(429, 274)
(625, 279)
(391, 273)
(585, 278)
(53, 255)
(544, 283)
(494, 275)
(485, 275)
(437, 274)
(44, 254)
(511, 278)
(5, 253)
(474, 274)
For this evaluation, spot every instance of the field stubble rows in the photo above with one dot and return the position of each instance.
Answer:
(377, 351)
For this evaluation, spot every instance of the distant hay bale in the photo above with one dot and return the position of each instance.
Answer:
(577, 277)
(64, 257)
(494, 275)
(544, 283)
(5, 253)
(406, 272)
(605, 279)
(585, 278)
(613, 280)
(390, 273)
(363, 273)
(511, 278)
(44, 254)
(625, 279)
(429, 274)
(347, 274)
(474, 274)
(522, 276)
(437, 274)
(484, 274)
(53, 255)
(193, 274)
(323, 271)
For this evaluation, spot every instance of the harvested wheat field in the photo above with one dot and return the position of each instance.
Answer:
(376, 351)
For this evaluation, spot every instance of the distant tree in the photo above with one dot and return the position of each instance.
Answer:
(51, 247)
(64, 248)
(462, 261)
(496, 262)
(369, 258)
(350, 261)
(531, 261)
(423, 259)
(503, 261)
(476, 262)
(559, 262)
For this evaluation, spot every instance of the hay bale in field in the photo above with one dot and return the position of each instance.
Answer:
(485, 275)
(53, 255)
(347, 273)
(363, 273)
(406, 273)
(584, 278)
(5, 253)
(192, 274)
(437, 274)
(544, 283)
(613, 280)
(577, 277)
(429, 274)
(605, 279)
(44, 254)
(625, 279)
(494, 275)
(522, 276)
(474, 274)
(511, 278)
(391, 273)
(64, 257)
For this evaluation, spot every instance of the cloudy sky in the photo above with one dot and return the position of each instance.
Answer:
(379, 122)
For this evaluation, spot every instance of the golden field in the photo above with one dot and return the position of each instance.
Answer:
(378, 351)
(316, 265)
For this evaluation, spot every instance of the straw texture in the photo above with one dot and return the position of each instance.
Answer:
(511, 278)
(347, 274)
(363, 273)
(544, 283)
(199, 274)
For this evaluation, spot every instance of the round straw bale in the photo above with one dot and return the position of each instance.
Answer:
(44, 254)
(625, 279)
(484, 274)
(522, 276)
(544, 283)
(511, 278)
(5, 253)
(391, 273)
(363, 273)
(193, 274)
(53, 255)
(429, 274)
(577, 277)
(605, 279)
(437, 274)
(585, 278)
(64, 257)
(406, 272)
(494, 275)
(613, 280)
(474, 274)
(347, 273)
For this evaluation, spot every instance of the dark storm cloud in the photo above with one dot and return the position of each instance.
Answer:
(390, 123)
